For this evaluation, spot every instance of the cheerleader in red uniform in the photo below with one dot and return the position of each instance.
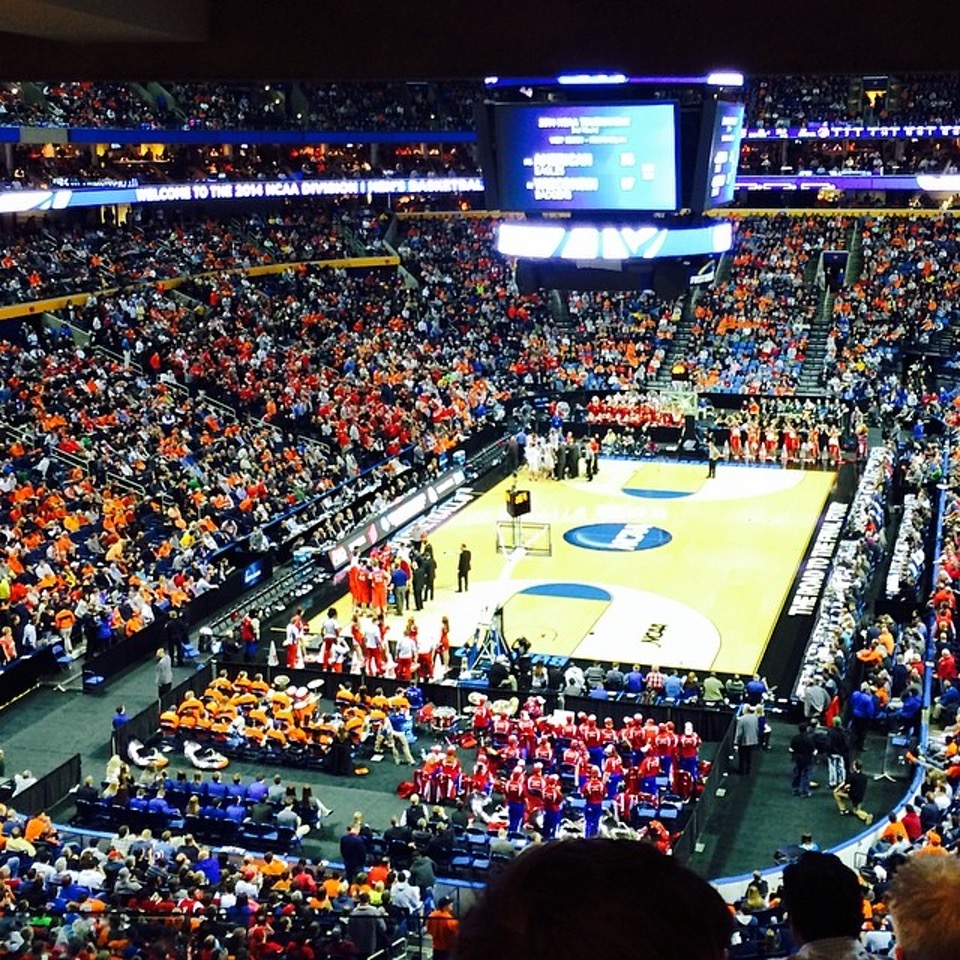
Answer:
(296, 629)
(443, 646)
(791, 442)
(769, 450)
(427, 778)
(371, 642)
(815, 444)
(833, 446)
(736, 441)
(383, 651)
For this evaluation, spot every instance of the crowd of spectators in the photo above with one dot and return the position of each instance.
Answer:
(169, 895)
(391, 106)
(795, 101)
(781, 101)
(387, 106)
(74, 103)
(228, 106)
(903, 297)
(750, 331)
(835, 157)
(920, 98)
(308, 350)
(804, 101)
(47, 259)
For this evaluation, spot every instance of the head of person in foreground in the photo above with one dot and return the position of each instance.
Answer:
(923, 899)
(584, 899)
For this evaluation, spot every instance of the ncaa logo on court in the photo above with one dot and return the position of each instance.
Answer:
(624, 537)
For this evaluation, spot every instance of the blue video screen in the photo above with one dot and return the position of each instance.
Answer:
(588, 157)
(724, 154)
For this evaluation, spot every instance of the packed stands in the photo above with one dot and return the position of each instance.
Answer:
(750, 331)
(48, 259)
(902, 298)
(71, 103)
(781, 101)
(394, 106)
(794, 101)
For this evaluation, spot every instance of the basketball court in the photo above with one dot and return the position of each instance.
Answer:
(650, 562)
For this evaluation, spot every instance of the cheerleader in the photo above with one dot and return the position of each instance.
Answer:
(814, 439)
(406, 650)
(426, 651)
(548, 458)
(736, 441)
(791, 441)
(752, 450)
(353, 583)
(862, 435)
(386, 650)
(372, 654)
(294, 639)
(769, 449)
(443, 646)
(533, 457)
(329, 632)
(833, 446)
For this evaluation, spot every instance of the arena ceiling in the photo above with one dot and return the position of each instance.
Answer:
(386, 39)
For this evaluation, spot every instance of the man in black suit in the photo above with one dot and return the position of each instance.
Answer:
(463, 569)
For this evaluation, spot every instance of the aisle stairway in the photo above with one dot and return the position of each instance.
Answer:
(681, 339)
(811, 374)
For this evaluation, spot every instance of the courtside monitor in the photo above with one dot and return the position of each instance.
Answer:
(588, 157)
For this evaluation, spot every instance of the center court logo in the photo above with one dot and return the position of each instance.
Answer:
(623, 537)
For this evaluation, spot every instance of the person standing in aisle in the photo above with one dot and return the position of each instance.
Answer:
(164, 673)
(176, 636)
(442, 926)
(802, 749)
(746, 737)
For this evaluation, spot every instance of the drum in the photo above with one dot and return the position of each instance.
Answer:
(443, 719)
(281, 681)
(315, 685)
